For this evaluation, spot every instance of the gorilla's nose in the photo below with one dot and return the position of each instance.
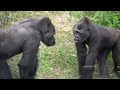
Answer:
(76, 36)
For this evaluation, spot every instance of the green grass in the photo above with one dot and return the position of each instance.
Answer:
(56, 62)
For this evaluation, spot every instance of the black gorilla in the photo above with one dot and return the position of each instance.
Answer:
(24, 37)
(100, 40)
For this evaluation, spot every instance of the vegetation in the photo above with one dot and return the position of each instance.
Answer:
(59, 61)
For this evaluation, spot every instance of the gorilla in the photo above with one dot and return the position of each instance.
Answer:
(100, 41)
(25, 37)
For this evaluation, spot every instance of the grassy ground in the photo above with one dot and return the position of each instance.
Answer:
(59, 61)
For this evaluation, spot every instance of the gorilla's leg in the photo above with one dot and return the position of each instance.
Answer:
(29, 62)
(102, 58)
(116, 58)
(4, 70)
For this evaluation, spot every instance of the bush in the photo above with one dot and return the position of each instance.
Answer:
(108, 18)
(76, 15)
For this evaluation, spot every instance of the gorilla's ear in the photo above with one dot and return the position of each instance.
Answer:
(44, 20)
(86, 20)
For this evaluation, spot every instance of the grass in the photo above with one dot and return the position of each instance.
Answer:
(56, 62)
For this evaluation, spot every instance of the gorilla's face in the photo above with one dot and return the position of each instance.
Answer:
(48, 32)
(81, 31)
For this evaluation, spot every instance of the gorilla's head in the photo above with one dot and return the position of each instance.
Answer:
(47, 30)
(82, 29)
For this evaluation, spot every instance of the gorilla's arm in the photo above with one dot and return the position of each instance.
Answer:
(29, 62)
(81, 56)
(91, 57)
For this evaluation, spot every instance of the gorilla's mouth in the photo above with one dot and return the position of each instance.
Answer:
(49, 43)
(76, 40)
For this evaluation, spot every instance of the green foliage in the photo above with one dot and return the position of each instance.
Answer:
(77, 15)
(108, 18)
